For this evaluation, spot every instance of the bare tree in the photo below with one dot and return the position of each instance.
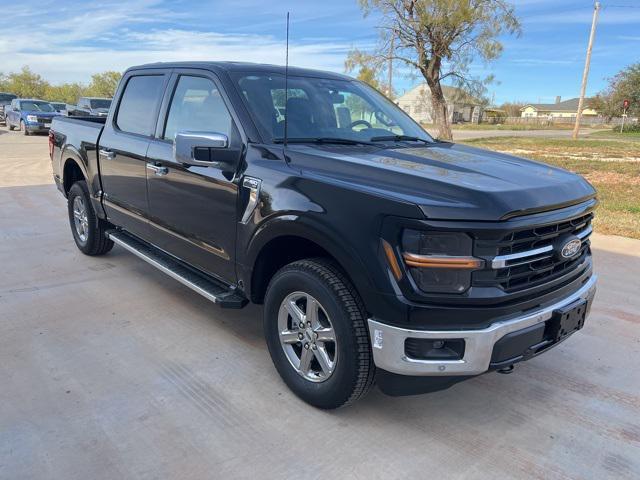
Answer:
(441, 38)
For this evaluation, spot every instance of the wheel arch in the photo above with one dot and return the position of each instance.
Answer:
(73, 169)
(290, 238)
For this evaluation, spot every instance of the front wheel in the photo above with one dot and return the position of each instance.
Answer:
(89, 232)
(315, 327)
(23, 129)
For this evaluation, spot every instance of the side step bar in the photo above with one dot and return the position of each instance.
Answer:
(208, 287)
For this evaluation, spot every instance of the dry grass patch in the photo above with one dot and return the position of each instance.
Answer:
(611, 166)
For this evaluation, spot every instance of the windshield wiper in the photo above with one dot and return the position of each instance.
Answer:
(398, 138)
(334, 140)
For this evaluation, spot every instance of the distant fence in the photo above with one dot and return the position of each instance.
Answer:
(543, 121)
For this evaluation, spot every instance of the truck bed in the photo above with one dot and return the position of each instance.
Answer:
(76, 137)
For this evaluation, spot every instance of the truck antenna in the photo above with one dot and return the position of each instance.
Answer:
(286, 84)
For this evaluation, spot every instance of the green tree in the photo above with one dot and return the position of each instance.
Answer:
(103, 84)
(25, 84)
(67, 92)
(625, 85)
(368, 67)
(441, 38)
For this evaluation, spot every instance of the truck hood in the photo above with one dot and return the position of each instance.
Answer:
(447, 181)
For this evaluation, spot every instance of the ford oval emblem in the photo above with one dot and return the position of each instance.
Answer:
(571, 248)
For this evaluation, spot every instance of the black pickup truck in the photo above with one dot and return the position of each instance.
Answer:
(380, 254)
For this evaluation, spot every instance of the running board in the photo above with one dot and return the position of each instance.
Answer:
(208, 287)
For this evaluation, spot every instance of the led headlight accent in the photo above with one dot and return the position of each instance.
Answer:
(440, 262)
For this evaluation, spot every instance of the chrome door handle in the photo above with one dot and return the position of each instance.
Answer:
(157, 169)
(108, 154)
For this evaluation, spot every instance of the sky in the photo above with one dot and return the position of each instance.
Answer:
(69, 40)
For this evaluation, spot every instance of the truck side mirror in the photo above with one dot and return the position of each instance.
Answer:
(205, 149)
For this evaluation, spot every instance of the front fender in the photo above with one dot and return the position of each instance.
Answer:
(366, 276)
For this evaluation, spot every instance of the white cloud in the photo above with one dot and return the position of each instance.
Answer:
(113, 36)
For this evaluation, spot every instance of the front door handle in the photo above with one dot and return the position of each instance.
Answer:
(157, 169)
(107, 154)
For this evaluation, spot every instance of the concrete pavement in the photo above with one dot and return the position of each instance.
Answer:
(109, 369)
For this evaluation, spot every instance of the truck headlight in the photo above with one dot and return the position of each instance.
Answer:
(32, 118)
(439, 262)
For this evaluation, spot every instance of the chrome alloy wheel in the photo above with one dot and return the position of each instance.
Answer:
(80, 218)
(307, 336)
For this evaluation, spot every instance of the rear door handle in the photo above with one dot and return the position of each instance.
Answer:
(157, 169)
(107, 154)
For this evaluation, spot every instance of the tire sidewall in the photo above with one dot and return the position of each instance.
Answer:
(79, 189)
(337, 389)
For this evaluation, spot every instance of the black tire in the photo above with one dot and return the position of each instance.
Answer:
(10, 126)
(23, 129)
(354, 370)
(96, 242)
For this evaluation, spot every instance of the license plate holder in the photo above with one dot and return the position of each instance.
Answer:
(567, 320)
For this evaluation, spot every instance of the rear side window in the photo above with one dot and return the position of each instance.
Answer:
(136, 113)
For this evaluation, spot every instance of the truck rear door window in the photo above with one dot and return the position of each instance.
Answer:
(138, 104)
(197, 106)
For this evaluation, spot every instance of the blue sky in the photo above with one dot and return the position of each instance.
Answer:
(68, 40)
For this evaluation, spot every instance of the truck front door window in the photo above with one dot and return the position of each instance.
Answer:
(197, 106)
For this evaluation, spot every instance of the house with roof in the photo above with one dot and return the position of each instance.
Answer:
(461, 106)
(559, 109)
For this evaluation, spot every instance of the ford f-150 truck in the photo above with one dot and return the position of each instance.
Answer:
(380, 254)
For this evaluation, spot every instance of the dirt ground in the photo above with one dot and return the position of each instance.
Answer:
(109, 369)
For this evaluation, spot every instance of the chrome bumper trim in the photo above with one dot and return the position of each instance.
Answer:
(387, 341)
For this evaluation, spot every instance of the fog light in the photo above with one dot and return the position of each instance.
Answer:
(434, 349)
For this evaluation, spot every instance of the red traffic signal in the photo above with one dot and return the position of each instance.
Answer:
(625, 104)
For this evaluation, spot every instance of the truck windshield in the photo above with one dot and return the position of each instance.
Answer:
(100, 103)
(324, 109)
(36, 107)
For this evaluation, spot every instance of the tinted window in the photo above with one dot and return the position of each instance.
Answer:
(136, 113)
(197, 106)
(100, 103)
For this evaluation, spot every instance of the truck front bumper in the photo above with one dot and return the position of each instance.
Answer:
(389, 342)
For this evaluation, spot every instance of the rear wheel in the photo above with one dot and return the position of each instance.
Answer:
(89, 232)
(315, 327)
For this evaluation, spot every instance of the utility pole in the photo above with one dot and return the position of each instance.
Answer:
(390, 68)
(585, 74)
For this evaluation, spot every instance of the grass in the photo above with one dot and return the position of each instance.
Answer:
(511, 126)
(616, 135)
(611, 165)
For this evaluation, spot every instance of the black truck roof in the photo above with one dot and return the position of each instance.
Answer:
(245, 67)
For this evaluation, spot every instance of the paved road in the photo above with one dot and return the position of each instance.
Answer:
(109, 369)
(469, 134)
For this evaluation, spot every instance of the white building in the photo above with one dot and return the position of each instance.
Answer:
(461, 106)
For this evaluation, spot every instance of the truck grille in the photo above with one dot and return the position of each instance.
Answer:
(528, 258)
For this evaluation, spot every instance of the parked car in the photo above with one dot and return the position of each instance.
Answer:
(378, 252)
(59, 106)
(92, 106)
(30, 115)
(5, 100)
